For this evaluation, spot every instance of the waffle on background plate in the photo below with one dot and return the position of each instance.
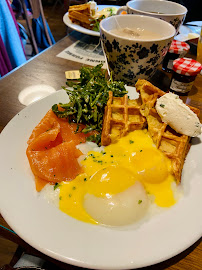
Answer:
(119, 119)
(81, 15)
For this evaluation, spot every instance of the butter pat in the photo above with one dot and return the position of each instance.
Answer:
(72, 74)
(177, 115)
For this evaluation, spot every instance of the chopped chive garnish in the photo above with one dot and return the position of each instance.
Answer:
(56, 185)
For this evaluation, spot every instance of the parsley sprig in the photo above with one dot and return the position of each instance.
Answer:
(88, 99)
(96, 23)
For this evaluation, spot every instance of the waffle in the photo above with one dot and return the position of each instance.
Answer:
(84, 8)
(174, 145)
(81, 15)
(149, 94)
(121, 116)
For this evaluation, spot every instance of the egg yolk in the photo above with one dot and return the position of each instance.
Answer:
(110, 180)
(152, 166)
(116, 169)
(71, 199)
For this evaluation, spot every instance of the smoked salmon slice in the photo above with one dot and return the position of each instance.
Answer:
(67, 130)
(56, 164)
(52, 151)
(40, 183)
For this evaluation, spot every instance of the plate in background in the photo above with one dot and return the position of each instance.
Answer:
(188, 31)
(81, 29)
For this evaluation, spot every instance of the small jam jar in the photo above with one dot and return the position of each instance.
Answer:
(177, 49)
(184, 74)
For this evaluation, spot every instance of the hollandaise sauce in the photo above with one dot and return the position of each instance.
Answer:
(116, 183)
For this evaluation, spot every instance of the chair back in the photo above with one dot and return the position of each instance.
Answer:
(37, 11)
(36, 8)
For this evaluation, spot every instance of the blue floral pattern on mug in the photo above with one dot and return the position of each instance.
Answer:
(130, 60)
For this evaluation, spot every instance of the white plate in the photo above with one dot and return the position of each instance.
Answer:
(186, 30)
(81, 29)
(195, 29)
(66, 239)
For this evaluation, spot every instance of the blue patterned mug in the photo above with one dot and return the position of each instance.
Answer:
(129, 59)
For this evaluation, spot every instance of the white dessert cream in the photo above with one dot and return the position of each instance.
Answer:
(93, 7)
(177, 115)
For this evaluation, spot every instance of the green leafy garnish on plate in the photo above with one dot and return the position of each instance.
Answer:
(88, 100)
(96, 23)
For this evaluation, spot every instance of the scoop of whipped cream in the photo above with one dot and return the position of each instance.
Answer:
(177, 115)
(93, 7)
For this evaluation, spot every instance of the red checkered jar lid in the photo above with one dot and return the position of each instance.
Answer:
(178, 47)
(186, 66)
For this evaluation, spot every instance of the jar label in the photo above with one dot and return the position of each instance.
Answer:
(181, 86)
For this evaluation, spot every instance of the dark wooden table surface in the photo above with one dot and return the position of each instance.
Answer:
(48, 69)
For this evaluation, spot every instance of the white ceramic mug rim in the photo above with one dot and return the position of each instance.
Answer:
(138, 40)
(165, 14)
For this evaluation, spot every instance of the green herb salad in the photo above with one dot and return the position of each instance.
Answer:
(88, 99)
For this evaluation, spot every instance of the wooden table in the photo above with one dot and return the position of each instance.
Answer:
(48, 69)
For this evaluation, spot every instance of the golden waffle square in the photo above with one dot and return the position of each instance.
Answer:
(83, 8)
(121, 116)
(81, 15)
(149, 94)
(174, 145)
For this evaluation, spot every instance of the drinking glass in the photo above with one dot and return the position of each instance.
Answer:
(199, 48)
